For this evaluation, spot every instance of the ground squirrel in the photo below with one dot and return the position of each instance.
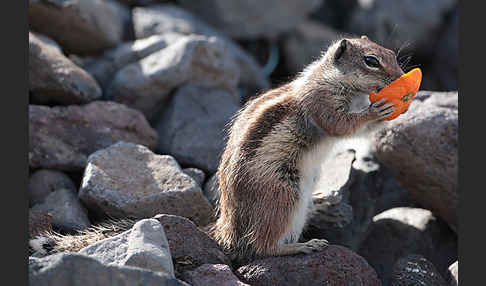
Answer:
(276, 145)
(278, 141)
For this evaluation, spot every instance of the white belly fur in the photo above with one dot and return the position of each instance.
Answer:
(310, 167)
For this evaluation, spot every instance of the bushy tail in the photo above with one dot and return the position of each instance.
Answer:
(51, 242)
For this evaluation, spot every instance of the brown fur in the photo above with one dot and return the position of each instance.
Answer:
(258, 173)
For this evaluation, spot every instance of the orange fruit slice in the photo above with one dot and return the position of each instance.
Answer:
(401, 92)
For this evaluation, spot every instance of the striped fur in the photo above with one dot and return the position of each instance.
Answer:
(277, 144)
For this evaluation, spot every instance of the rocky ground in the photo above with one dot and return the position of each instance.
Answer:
(128, 103)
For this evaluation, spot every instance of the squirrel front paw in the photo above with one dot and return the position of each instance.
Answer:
(314, 245)
(378, 110)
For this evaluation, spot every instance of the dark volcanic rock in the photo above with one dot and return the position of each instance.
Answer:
(146, 85)
(79, 270)
(252, 18)
(335, 265)
(53, 78)
(332, 215)
(211, 275)
(420, 148)
(80, 26)
(398, 23)
(190, 247)
(445, 67)
(128, 180)
(306, 43)
(39, 222)
(366, 188)
(63, 137)
(452, 275)
(415, 270)
(43, 182)
(195, 137)
(399, 232)
(67, 212)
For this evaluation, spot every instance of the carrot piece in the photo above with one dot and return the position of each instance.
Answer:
(401, 92)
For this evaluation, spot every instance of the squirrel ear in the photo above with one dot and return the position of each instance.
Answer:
(340, 50)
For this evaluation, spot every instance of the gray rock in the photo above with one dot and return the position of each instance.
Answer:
(63, 137)
(335, 265)
(367, 188)
(331, 213)
(399, 232)
(252, 18)
(306, 43)
(104, 68)
(196, 137)
(128, 180)
(67, 212)
(145, 85)
(43, 182)
(415, 270)
(190, 247)
(420, 148)
(79, 270)
(39, 222)
(162, 19)
(211, 189)
(452, 274)
(212, 274)
(395, 24)
(53, 78)
(144, 245)
(80, 27)
(196, 174)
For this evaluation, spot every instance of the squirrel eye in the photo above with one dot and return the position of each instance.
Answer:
(372, 61)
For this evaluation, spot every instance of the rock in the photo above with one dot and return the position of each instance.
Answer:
(367, 188)
(397, 24)
(67, 212)
(420, 148)
(200, 142)
(335, 265)
(190, 247)
(144, 245)
(43, 182)
(80, 270)
(252, 18)
(80, 27)
(211, 189)
(331, 213)
(452, 275)
(53, 78)
(128, 180)
(196, 174)
(146, 84)
(445, 66)
(63, 137)
(335, 14)
(39, 222)
(399, 232)
(162, 19)
(104, 68)
(415, 270)
(306, 43)
(212, 274)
